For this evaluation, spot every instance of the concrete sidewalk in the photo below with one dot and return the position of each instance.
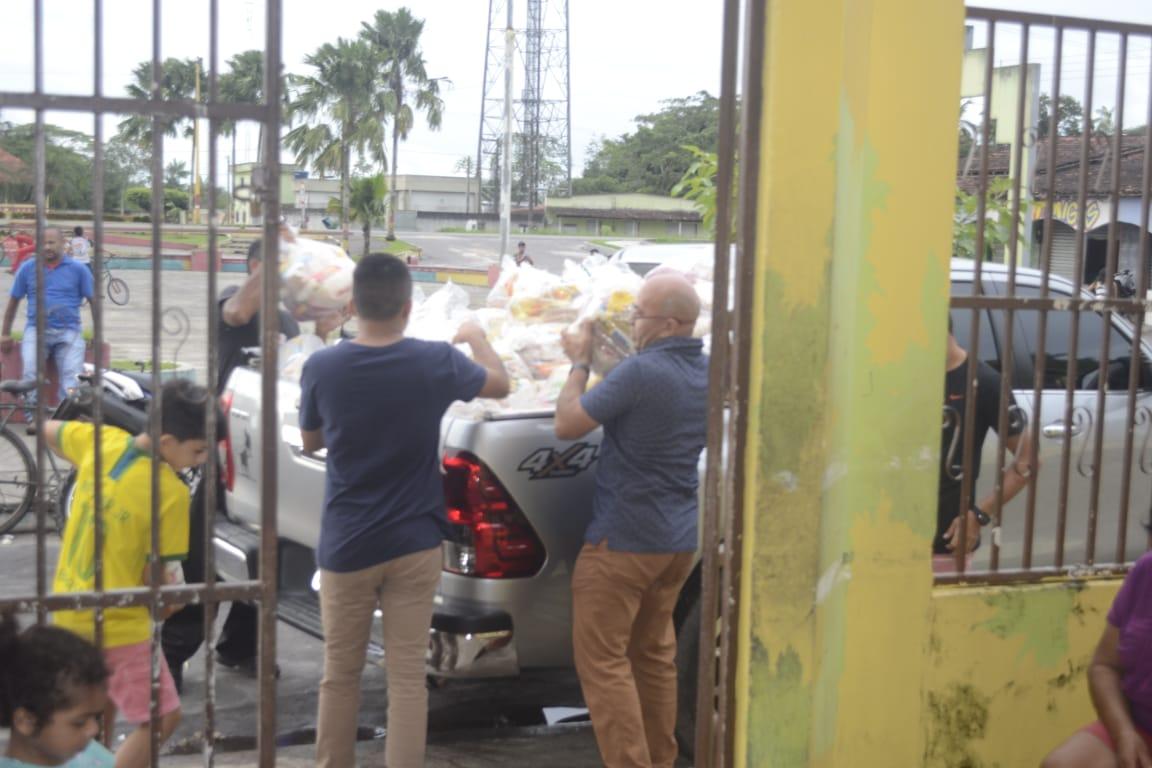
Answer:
(573, 747)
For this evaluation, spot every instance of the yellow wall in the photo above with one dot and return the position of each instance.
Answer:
(1005, 680)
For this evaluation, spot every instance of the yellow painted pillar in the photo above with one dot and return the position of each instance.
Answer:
(857, 172)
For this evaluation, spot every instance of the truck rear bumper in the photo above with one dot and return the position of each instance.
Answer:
(466, 644)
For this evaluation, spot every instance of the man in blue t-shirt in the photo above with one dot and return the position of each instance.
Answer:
(375, 403)
(67, 285)
(640, 547)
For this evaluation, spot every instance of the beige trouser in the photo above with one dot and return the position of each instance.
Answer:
(403, 588)
(625, 649)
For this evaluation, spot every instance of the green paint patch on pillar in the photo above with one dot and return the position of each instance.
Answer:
(781, 709)
(1038, 617)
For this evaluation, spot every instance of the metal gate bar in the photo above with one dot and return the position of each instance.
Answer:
(156, 596)
(1091, 460)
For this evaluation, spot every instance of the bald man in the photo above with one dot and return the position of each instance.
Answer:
(640, 546)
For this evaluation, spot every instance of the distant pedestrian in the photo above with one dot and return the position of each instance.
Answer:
(67, 285)
(376, 403)
(522, 256)
(640, 547)
(127, 464)
(78, 247)
(53, 691)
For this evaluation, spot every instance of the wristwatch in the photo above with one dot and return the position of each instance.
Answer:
(580, 367)
(982, 517)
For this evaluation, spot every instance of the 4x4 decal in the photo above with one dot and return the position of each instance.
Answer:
(548, 463)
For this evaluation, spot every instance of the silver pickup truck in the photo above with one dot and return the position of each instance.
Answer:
(518, 499)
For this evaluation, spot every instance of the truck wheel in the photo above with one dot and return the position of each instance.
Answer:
(687, 659)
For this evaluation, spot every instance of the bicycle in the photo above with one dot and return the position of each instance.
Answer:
(115, 287)
(18, 469)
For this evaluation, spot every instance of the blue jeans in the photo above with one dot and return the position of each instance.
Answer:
(65, 346)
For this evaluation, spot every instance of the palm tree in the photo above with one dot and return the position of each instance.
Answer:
(367, 203)
(340, 110)
(243, 83)
(177, 83)
(395, 41)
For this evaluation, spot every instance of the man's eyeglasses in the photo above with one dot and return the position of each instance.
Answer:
(633, 314)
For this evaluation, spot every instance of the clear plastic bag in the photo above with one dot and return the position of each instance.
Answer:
(316, 278)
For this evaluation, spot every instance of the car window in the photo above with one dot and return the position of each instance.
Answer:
(1090, 335)
(989, 352)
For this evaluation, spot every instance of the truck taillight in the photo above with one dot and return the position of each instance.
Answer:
(490, 537)
(227, 462)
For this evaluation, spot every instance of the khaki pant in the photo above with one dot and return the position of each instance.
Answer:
(625, 649)
(403, 588)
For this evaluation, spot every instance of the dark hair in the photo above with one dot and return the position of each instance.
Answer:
(78, 231)
(949, 322)
(256, 250)
(381, 286)
(519, 243)
(41, 667)
(183, 405)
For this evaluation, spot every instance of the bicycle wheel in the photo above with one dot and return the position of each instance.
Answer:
(17, 480)
(63, 507)
(117, 291)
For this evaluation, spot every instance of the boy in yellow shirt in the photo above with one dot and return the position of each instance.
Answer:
(127, 520)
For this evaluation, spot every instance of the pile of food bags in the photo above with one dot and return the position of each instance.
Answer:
(526, 312)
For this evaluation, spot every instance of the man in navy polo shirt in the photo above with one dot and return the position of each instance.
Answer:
(375, 402)
(67, 284)
(640, 547)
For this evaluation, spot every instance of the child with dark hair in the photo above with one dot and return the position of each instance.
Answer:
(53, 690)
(127, 463)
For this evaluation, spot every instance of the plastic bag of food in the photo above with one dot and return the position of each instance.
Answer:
(439, 316)
(316, 278)
(295, 352)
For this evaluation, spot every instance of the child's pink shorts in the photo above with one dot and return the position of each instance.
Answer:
(130, 682)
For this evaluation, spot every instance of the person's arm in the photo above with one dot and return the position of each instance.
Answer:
(1104, 676)
(572, 421)
(496, 384)
(312, 439)
(6, 329)
(311, 424)
(243, 305)
(52, 429)
(1024, 463)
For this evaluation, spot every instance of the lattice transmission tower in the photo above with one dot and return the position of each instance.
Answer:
(541, 144)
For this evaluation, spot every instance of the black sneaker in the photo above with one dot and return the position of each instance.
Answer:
(245, 666)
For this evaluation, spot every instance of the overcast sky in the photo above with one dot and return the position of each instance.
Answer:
(626, 55)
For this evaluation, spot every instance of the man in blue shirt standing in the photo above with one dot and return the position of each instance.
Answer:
(67, 285)
(640, 547)
(375, 402)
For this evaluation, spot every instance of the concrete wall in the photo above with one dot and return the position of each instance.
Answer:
(1006, 679)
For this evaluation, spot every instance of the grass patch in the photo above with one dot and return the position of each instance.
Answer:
(124, 364)
(188, 238)
(393, 248)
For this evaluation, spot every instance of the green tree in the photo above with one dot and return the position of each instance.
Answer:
(176, 174)
(1071, 117)
(394, 38)
(997, 220)
(699, 185)
(338, 111)
(67, 165)
(177, 83)
(125, 165)
(1105, 121)
(368, 204)
(652, 158)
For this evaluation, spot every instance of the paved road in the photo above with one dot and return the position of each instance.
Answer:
(480, 250)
